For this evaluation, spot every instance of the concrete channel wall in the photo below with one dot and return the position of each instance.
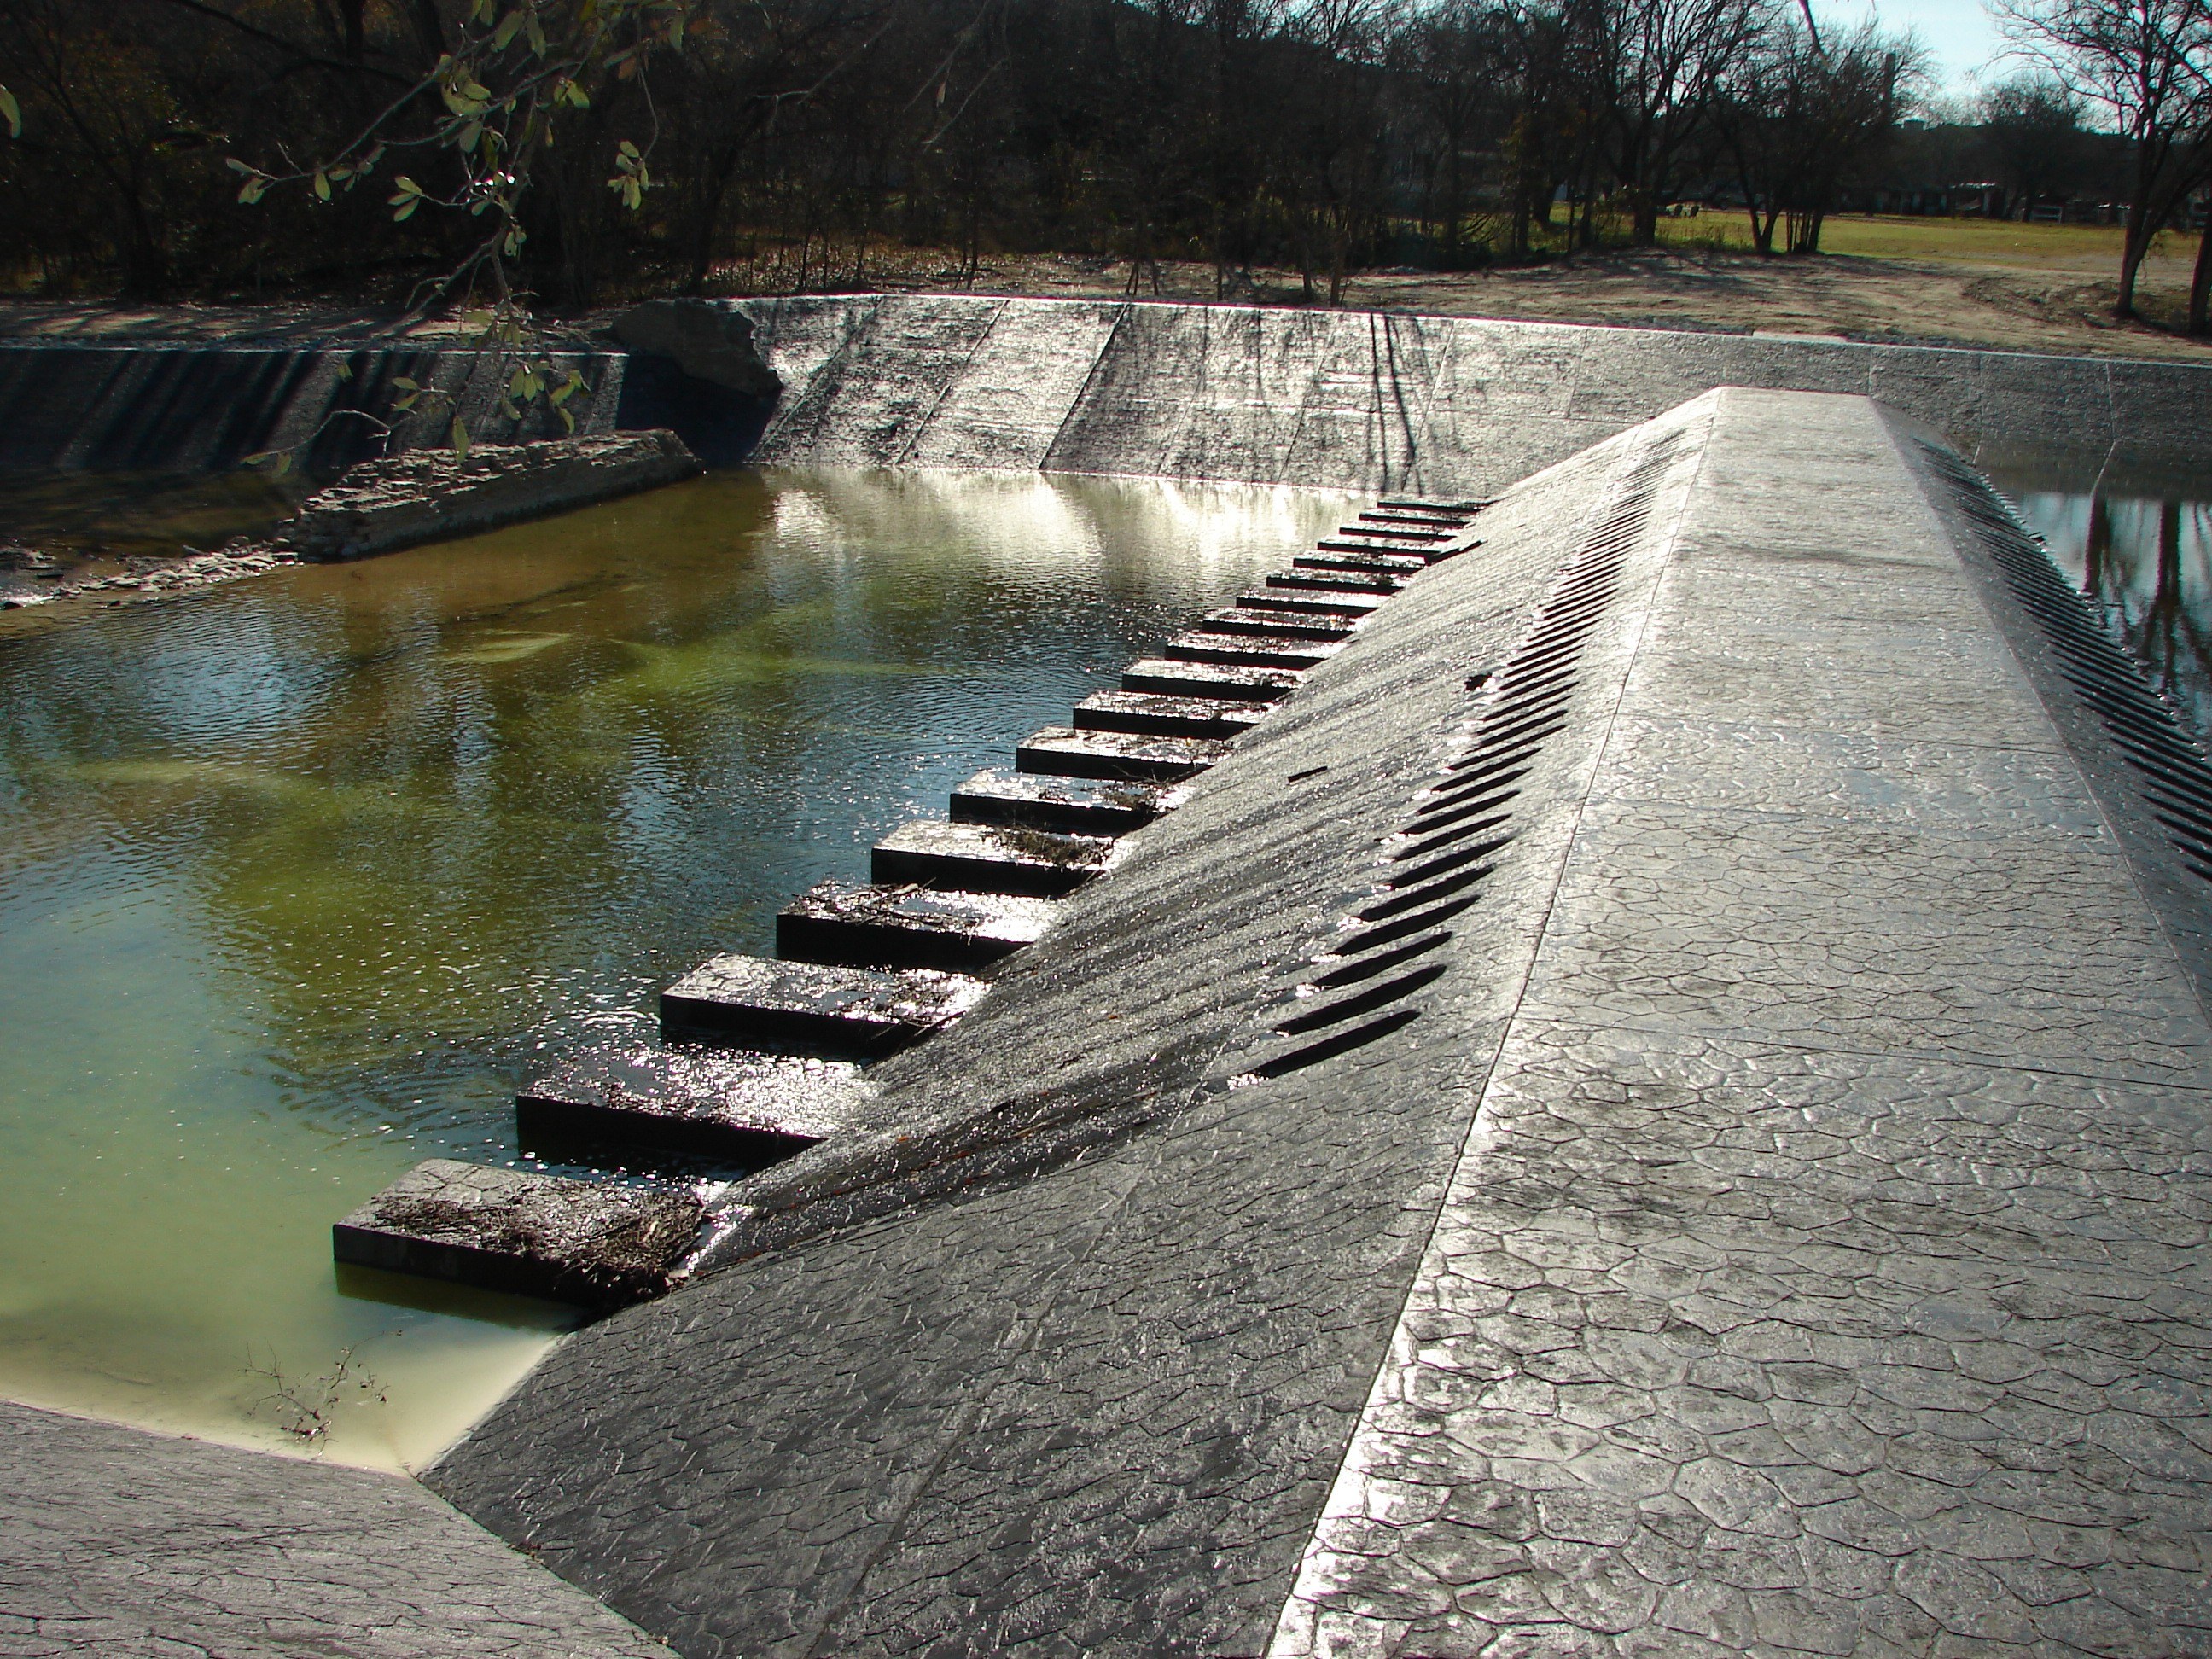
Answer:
(1427, 405)
(1662, 1103)
(1447, 406)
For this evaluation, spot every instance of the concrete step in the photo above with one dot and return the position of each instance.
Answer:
(720, 1104)
(1406, 532)
(986, 857)
(805, 1008)
(1060, 805)
(1347, 605)
(1062, 751)
(1276, 624)
(1461, 510)
(1225, 680)
(1250, 653)
(592, 1243)
(1422, 552)
(1333, 581)
(1166, 716)
(1394, 564)
(857, 925)
(1391, 517)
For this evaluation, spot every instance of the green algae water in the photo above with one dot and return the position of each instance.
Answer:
(298, 878)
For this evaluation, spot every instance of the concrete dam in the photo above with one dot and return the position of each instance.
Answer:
(1650, 1093)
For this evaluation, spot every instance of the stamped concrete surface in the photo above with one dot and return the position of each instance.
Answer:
(1826, 1269)
(117, 1544)
(1768, 1216)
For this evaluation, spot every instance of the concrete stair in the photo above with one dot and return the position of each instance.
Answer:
(990, 858)
(808, 1008)
(852, 925)
(1159, 715)
(1064, 751)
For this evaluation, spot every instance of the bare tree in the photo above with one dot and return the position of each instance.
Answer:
(1664, 62)
(2148, 64)
(1800, 115)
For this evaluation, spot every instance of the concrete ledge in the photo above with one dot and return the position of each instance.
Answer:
(531, 1235)
(707, 1102)
(803, 1008)
(430, 494)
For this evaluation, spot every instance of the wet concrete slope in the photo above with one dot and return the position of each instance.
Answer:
(1425, 405)
(1663, 1104)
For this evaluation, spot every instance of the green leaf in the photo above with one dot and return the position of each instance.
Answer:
(284, 462)
(404, 384)
(460, 438)
(468, 136)
(402, 185)
(322, 187)
(345, 371)
(413, 202)
(508, 26)
(568, 420)
(252, 190)
(12, 112)
(235, 164)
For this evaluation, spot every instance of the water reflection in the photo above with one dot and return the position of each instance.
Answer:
(2146, 560)
(295, 877)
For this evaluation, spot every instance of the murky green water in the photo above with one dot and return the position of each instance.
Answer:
(298, 876)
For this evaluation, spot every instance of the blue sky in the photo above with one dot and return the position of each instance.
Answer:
(1960, 36)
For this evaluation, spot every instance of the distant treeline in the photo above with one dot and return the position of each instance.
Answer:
(584, 150)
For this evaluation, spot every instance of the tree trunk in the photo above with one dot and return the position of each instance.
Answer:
(2131, 258)
(2200, 280)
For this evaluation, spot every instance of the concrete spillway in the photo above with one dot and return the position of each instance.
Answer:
(1659, 1100)
(1685, 1128)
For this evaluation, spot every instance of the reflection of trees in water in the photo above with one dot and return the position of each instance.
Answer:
(2141, 585)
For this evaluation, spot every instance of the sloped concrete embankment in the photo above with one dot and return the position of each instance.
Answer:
(167, 407)
(1427, 405)
(1663, 1100)
(1423, 405)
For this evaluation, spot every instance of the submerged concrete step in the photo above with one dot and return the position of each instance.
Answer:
(1228, 681)
(987, 858)
(1334, 581)
(1252, 653)
(590, 1242)
(1166, 715)
(722, 1104)
(1278, 624)
(1062, 751)
(1061, 805)
(1345, 605)
(856, 924)
(1394, 564)
(805, 1008)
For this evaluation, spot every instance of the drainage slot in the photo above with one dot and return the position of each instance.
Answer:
(1382, 963)
(1366, 1002)
(1342, 1043)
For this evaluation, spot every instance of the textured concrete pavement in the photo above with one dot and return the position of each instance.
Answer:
(116, 1544)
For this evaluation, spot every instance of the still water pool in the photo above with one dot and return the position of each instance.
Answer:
(299, 877)
(2144, 557)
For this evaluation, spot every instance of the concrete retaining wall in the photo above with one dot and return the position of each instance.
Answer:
(1340, 399)
(1444, 406)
